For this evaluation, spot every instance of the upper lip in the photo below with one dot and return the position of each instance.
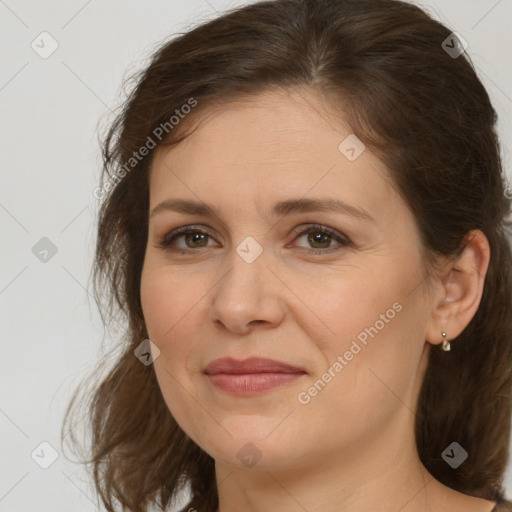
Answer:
(251, 365)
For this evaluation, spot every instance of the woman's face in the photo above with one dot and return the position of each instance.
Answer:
(310, 259)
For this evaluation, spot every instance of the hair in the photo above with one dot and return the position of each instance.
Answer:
(426, 115)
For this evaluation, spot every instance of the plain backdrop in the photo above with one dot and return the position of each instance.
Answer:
(50, 109)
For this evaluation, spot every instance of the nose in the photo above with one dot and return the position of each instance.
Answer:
(248, 294)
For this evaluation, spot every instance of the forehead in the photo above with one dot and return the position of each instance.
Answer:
(270, 127)
(279, 142)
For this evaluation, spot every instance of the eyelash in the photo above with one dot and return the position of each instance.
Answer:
(168, 240)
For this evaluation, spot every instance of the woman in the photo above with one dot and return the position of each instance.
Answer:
(304, 222)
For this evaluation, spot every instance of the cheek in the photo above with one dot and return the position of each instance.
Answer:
(166, 301)
(363, 385)
(170, 328)
(169, 320)
(350, 307)
(376, 341)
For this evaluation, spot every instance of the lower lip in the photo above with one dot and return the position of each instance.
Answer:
(247, 384)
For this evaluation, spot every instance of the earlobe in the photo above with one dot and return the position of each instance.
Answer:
(461, 288)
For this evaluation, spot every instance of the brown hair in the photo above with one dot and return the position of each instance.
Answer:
(425, 114)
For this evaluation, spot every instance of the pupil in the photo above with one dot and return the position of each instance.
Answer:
(316, 238)
(192, 236)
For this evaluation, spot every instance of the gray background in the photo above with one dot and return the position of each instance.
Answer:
(50, 109)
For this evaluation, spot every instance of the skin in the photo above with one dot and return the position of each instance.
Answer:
(351, 447)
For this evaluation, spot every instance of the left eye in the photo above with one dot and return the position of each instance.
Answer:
(321, 237)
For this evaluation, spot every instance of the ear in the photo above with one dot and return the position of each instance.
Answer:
(459, 289)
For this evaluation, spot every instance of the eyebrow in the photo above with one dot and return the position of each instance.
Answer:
(281, 209)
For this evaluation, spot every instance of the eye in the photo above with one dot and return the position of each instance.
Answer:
(321, 238)
(194, 238)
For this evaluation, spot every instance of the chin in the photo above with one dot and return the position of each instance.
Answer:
(254, 442)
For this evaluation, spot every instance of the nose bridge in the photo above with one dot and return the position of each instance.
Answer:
(247, 267)
(246, 292)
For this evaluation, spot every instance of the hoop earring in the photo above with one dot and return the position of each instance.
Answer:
(446, 343)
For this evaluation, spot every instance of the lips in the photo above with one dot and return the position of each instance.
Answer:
(251, 376)
(232, 366)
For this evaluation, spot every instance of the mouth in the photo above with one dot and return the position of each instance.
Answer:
(251, 376)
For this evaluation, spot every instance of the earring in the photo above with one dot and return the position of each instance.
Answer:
(446, 343)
